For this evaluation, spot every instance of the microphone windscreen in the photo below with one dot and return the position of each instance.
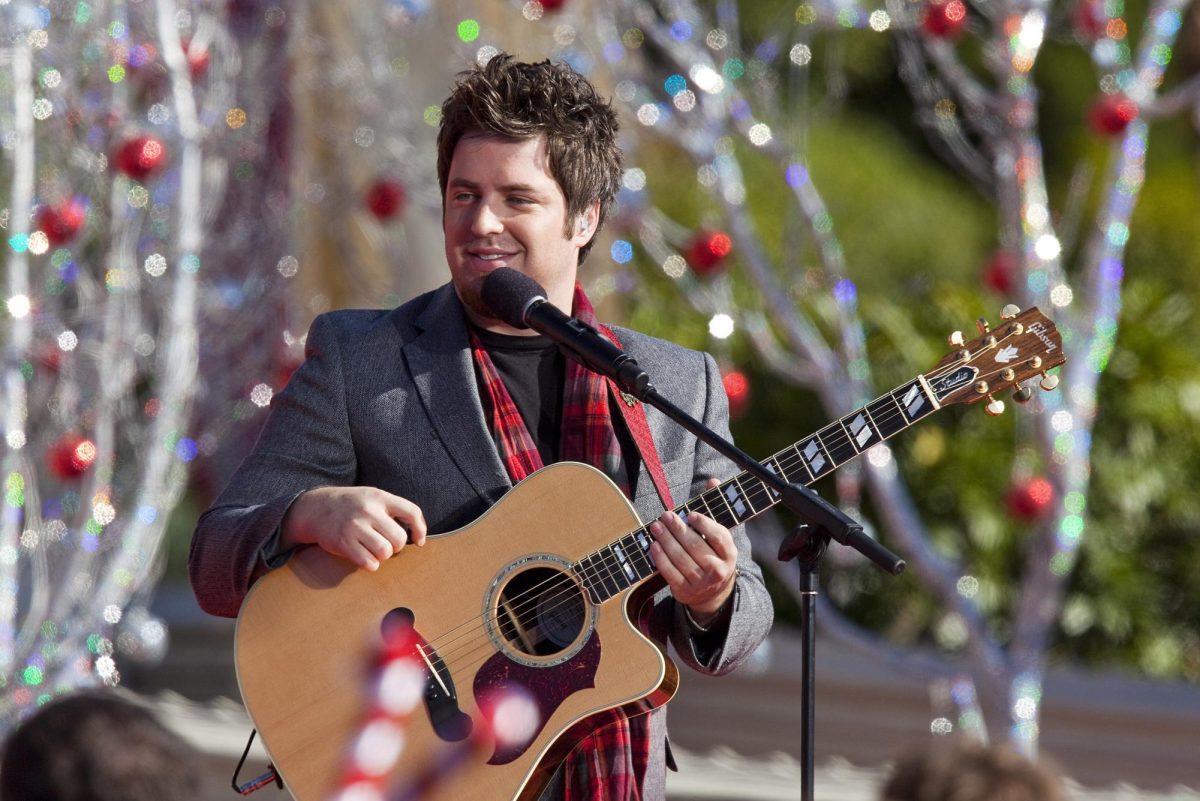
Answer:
(507, 293)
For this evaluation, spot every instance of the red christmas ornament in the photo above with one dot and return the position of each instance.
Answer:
(386, 198)
(1111, 114)
(50, 357)
(71, 456)
(197, 58)
(1000, 273)
(1089, 18)
(552, 5)
(707, 250)
(141, 156)
(1030, 500)
(945, 19)
(737, 388)
(61, 221)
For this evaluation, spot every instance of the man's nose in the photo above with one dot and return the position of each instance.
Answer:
(485, 221)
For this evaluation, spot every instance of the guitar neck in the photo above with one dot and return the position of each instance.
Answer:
(619, 565)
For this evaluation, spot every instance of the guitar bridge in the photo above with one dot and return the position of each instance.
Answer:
(449, 722)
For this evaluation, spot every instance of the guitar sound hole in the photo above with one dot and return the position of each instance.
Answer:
(540, 612)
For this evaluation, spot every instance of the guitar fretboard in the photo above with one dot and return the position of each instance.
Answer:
(619, 565)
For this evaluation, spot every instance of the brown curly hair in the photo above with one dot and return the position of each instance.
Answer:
(516, 100)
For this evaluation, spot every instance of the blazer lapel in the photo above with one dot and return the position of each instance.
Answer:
(443, 372)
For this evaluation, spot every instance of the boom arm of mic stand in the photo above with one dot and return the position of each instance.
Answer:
(805, 503)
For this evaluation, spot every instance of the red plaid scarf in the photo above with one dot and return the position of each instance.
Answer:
(610, 763)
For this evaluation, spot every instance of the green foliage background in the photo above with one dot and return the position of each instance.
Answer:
(916, 236)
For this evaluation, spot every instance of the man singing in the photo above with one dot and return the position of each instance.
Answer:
(412, 422)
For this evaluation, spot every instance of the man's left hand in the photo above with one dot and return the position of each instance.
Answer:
(697, 558)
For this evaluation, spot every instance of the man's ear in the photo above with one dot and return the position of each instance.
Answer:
(586, 224)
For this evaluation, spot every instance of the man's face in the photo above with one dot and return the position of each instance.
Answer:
(503, 208)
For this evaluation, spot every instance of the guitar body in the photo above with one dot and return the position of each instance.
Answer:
(495, 607)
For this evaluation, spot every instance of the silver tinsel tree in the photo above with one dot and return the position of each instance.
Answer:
(112, 175)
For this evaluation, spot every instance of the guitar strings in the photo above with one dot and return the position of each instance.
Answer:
(787, 459)
(838, 439)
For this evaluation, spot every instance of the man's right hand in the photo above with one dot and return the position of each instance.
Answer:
(363, 524)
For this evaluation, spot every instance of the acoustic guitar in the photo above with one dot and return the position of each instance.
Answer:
(537, 599)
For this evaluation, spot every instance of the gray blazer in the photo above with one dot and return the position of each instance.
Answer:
(389, 399)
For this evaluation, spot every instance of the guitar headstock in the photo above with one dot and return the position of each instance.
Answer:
(1025, 346)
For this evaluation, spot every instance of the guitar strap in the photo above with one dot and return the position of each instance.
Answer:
(634, 415)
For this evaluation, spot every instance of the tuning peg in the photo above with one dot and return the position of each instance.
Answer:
(955, 340)
(995, 408)
(1048, 381)
(1009, 311)
(982, 325)
(1022, 395)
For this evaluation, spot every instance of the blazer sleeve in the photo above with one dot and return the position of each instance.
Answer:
(306, 442)
(747, 618)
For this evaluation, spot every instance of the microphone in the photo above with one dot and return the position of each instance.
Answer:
(521, 302)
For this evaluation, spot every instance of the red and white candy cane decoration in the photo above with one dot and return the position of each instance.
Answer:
(509, 715)
(396, 687)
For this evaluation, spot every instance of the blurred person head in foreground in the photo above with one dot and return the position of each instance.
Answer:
(958, 769)
(97, 746)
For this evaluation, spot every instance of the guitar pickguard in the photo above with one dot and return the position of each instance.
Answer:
(545, 687)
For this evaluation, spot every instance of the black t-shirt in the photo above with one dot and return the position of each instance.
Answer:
(533, 371)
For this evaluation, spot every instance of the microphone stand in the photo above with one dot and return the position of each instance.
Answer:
(521, 302)
(806, 543)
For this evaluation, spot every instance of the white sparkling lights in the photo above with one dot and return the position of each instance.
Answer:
(721, 326)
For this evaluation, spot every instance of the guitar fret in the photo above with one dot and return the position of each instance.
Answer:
(815, 457)
(760, 495)
(641, 552)
(623, 562)
(603, 576)
(590, 579)
(734, 495)
(861, 429)
(775, 467)
(756, 489)
(612, 580)
(913, 401)
(837, 444)
(888, 415)
(800, 474)
(727, 517)
(643, 540)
